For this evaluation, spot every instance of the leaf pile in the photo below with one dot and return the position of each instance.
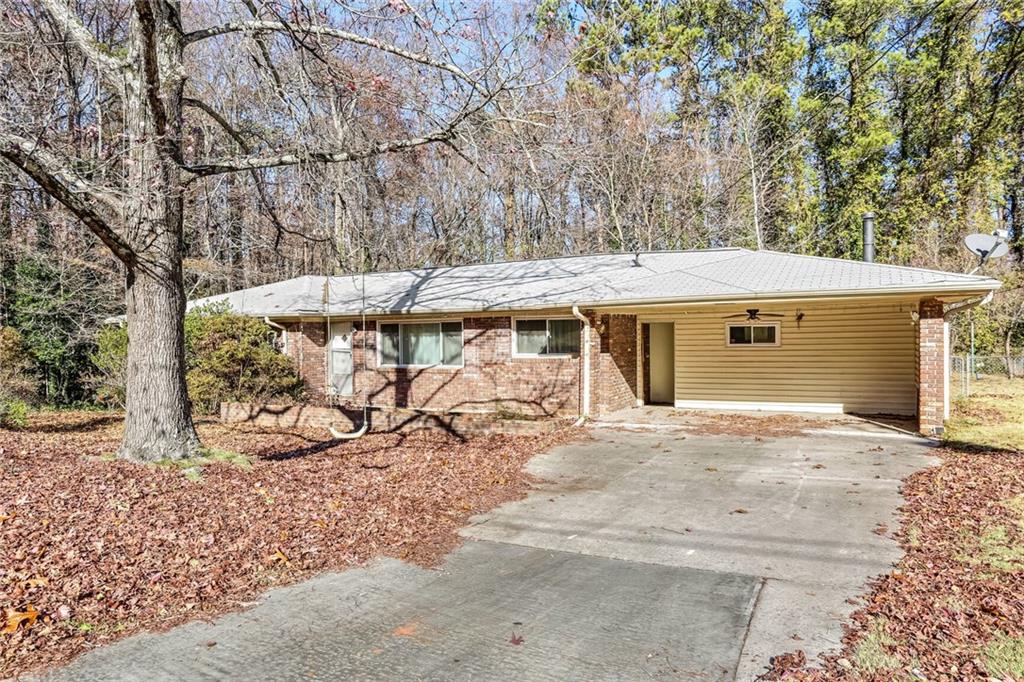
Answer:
(755, 426)
(953, 609)
(94, 548)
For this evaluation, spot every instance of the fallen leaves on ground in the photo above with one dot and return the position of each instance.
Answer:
(953, 609)
(96, 548)
(749, 425)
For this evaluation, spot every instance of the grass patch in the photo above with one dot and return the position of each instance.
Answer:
(871, 654)
(998, 548)
(1004, 656)
(193, 465)
(991, 417)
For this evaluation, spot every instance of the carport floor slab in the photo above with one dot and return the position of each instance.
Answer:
(578, 617)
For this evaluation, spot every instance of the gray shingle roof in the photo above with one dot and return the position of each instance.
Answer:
(665, 276)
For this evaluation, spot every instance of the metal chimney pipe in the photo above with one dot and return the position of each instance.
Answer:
(869, 237)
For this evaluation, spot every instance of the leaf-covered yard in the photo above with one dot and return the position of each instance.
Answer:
(94, 549)
(953, 609)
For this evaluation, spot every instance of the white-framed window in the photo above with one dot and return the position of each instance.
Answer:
(340, 358)
(752, 334)
(419, 344)
(545, 336)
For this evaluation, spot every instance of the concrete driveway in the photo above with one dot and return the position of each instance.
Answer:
(659, 554)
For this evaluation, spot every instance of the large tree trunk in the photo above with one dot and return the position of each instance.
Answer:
(158, 421)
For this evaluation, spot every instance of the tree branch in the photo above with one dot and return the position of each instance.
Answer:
(234, 164)
(150, 66)
(243, 144)
(87, 202)
(219, 120)
(261, 42)
(257, 27)
(96, 52)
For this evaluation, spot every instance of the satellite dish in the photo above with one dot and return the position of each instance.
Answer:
(986, 246)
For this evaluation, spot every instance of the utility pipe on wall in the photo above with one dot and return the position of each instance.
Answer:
(585, 401)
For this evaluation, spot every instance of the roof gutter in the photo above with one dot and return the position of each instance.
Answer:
(585, 369)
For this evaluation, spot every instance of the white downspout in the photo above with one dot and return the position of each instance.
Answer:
(274, 325)
(585, 402)
(338, 435)
(971, 304)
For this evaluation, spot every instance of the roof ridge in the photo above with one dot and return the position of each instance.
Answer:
(702, 265)
(539, 259)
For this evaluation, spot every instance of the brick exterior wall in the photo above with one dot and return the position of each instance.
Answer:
(931, 367)
(613, 368)
(490, 380)
(306, 346)
(381, 420)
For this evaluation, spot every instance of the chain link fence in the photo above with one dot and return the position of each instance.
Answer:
(964, 370)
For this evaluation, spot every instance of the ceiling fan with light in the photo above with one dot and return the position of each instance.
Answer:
(753, 314)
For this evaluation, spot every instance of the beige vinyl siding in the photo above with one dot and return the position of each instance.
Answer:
(859, 356)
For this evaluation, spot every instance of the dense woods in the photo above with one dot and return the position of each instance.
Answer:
(325, 137)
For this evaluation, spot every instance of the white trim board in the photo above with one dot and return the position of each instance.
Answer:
(751, 406)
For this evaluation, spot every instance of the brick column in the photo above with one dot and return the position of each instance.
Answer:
(613, 383)
(931, 368)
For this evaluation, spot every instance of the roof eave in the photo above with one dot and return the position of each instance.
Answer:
(945, 290)
(951, 289)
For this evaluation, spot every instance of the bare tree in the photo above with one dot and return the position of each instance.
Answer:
(132, 196)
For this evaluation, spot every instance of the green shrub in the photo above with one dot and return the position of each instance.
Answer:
(18, 383)
(13, 413)
(57, 309)
(109, 360)
(228, 357)
(234, 359)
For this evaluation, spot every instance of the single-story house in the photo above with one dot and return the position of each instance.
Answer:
(725, 328)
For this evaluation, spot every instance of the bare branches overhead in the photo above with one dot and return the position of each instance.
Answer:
(235, 164)
(99, 54)
(89, 202)
(300, 30)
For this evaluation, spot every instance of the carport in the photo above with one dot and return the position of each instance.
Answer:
(882, 357)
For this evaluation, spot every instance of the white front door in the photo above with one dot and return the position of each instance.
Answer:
(340, 358)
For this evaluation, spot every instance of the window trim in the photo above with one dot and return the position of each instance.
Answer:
(753, 323)
(438, 322)
(540, 356)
